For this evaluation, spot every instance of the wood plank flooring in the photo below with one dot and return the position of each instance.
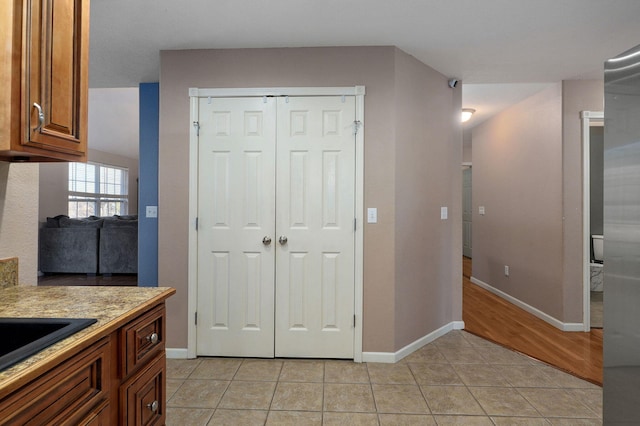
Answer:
(86, 279)
(497, 320)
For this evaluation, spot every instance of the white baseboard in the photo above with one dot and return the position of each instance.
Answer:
(569, 326)
(385, 357)
(573, 326)
(177, 353)
(392, 357)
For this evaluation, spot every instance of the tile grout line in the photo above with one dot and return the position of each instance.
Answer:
(373, 395)
(572, 390)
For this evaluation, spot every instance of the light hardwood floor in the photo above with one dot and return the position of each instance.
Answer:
(497, 320)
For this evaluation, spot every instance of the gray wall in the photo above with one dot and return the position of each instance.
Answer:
(527, 165)
(577, 96)
(517, 177)
(410, 257)
(467, 146)
(428, 253)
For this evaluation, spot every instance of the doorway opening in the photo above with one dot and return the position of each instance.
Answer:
(592, 130)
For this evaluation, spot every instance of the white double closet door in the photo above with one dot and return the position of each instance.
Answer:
(276, 204)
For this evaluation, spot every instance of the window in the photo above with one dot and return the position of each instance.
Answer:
(97, 190)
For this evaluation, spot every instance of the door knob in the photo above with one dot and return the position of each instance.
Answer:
(266, 240)
(282, 240)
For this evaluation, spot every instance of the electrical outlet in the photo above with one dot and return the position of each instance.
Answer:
(506, 270)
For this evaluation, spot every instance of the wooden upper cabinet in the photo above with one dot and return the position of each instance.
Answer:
(48, 76)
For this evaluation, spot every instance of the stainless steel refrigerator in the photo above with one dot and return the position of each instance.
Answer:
(622, 239)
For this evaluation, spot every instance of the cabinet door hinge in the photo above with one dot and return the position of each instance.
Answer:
(196, 223)
(196, 124)
(354, 321)
(355, 221)
(196, 318)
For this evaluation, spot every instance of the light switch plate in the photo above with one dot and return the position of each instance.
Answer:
(372, 215)
(444, 213)
(481, 210)
(152, 211)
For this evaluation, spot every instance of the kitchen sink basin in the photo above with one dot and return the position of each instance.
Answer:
(22, 337)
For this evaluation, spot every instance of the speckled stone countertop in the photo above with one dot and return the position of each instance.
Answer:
(111, 306)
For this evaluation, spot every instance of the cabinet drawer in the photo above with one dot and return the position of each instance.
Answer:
(142, 397)
(64, 395)
(142, 339)
(101, 416)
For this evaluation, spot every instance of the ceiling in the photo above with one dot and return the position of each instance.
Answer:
(502, 50)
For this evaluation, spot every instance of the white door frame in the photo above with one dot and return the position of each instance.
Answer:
(587, 117)
(194, 95)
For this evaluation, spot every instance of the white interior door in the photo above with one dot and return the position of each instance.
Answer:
(236, 211)
(287, 298)
(315, 208)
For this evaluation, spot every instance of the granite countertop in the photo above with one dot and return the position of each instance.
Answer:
(111, 306)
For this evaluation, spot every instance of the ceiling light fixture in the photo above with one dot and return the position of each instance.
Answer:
(466, 114)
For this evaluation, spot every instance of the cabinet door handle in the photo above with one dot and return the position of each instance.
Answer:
(153, 338)
(40, 117)
(153, 406)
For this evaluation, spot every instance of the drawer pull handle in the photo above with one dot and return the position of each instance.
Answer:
(153, 406)
(40, 117)
(153, 338)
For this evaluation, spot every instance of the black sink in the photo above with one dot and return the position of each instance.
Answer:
(22, 337)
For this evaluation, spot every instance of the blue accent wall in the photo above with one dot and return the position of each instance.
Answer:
(148, 184)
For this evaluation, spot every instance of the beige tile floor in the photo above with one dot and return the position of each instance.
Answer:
(459, 379)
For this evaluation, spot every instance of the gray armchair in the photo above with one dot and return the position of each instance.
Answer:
(69, 246)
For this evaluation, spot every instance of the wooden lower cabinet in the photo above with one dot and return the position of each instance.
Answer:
(100, 385)
(101, 416)
(142, 339)
(142, 367)
(64, 395)
(144, 395)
